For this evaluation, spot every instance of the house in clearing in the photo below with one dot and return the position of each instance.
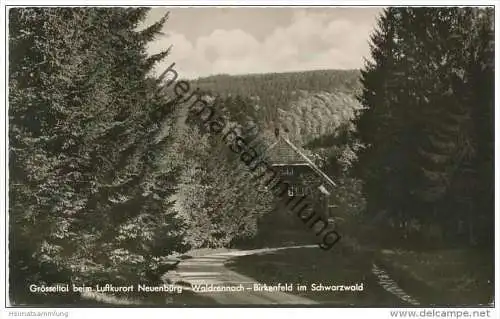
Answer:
(303, 176)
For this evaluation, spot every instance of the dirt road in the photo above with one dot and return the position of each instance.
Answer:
(209, 269)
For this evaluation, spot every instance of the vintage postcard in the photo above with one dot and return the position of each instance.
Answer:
(279, 156)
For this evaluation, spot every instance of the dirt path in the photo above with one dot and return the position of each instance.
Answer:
(209, 270)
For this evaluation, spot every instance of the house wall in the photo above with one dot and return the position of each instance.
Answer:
(304, 181)
(283, 227)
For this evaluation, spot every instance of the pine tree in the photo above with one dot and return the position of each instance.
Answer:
(427, 119)
(377, 126)
(85, 160)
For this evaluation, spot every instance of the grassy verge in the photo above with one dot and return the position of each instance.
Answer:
(101, 300)
(443, 277)
(305, 266)
(440, 277)
(154, 299)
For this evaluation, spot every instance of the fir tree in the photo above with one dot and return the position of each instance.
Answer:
(422, 117)
(86, 157)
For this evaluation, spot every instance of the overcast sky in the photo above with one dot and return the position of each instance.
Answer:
(212, 40)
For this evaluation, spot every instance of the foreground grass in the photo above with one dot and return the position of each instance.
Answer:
(443, 277)
(186, 298)
(306, 266)
(101, 300)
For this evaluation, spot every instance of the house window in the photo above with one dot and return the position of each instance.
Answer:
(294, 190)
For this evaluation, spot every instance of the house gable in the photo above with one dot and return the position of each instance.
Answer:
(280, 153)
(290, 160)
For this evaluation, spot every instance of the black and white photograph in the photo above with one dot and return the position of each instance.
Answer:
(250, 156)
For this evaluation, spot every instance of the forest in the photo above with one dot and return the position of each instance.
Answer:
(107, 178)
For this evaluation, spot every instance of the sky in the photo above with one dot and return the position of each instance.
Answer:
(210, 40)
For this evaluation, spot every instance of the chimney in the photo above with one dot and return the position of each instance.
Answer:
(286, 131)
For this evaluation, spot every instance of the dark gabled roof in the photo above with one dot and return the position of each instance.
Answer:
(284, 152)
(281, 153)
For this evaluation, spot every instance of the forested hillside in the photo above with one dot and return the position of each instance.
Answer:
(311, 107)
(274, 83)
(274, 91)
